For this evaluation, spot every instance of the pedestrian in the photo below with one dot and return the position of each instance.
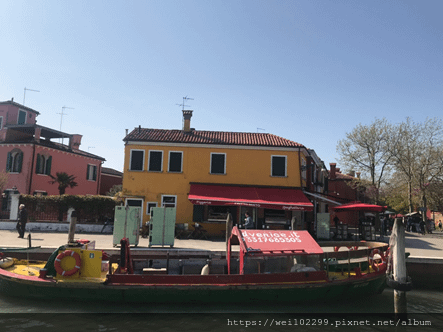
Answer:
(336, 222)
(22, 220)
(382, 226)
(440, 226)
(249, 223)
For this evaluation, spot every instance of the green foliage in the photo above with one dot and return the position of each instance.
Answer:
(64, 181)
(3, 180)
(89, 208)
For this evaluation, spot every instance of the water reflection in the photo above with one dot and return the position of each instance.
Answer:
(67, 316)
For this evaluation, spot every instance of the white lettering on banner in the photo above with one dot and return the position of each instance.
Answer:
(247, 204)
(272, 237)
(202, 202)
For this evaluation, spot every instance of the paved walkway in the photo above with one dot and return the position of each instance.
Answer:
(428, 246)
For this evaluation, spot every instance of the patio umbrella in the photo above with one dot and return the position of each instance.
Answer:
(358, 206)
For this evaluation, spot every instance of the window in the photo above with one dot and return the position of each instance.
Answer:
(175, 161)
(14, 162)
(1, 122)
(155, 161)
(218, 163)
(278, 165)
(137, 160)
(149, 206)
(21, 117)
(91, 173)
(169, 201)
(43, 165)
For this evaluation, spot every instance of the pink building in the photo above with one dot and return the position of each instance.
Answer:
(29, 153)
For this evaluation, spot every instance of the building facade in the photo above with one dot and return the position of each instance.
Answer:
(30, 154)
(208, 174)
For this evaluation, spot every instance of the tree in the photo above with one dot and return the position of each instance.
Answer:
(417, 154)
(3, 180)
(64, 181)
(366, 149)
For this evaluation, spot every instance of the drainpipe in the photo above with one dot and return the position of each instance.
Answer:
(99, 172)
(32, 170)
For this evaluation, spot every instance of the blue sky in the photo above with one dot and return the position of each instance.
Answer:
(308, 71)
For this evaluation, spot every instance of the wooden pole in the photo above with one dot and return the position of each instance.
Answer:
(229, 223)
(72, 227)
(399, 266)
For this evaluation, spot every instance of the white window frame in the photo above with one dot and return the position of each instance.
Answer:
(164, 196)
(181, 162)
(286, 166)
(143, 160)
(18, 115)
(210, 164)
(303, 169)
(43, 164)
(149, 159)
(148, 213)
(91, 172)
(14, 165)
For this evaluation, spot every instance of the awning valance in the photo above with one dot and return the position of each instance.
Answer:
(262, 197)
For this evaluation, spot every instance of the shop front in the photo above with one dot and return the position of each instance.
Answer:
(269, 207)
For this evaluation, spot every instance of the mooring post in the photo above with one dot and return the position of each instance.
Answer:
(72, 227)
(399, 267)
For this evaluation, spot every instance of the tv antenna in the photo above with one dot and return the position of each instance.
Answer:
(24, 94)
(184, 101)
(61, 118)
(260, 129)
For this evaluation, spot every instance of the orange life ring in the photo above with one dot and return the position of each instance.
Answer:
(377, 266)
(336, 248)
(61, 256)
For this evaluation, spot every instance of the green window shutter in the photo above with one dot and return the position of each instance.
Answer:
(94, 176)
(37, 166)
(87, 172)
(48, 165)
(9, 162)
(20, 162)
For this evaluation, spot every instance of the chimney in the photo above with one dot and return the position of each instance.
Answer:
(333, 170)
(358, 175)
(352, 173)
(126, 131)
(187, 121)
(75, 141)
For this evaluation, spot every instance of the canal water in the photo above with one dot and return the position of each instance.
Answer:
(374, 313)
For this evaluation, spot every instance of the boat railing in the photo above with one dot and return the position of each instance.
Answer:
(354, 258)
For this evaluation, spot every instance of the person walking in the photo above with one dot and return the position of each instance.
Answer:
(249, 223)
(22, 220)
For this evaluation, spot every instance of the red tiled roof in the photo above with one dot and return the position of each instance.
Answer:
(209, 137)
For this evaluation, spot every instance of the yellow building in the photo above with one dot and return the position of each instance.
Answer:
(208, 174)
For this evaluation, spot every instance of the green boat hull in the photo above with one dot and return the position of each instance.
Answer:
(192, 293)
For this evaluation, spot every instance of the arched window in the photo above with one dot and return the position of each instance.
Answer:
(15, 161)
(43, 164)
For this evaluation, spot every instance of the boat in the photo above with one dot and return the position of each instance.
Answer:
(258, 265)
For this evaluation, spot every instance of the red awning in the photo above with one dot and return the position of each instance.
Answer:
(276, 242)
(358, 206)
(270, 198)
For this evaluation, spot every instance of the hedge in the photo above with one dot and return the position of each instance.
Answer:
(90, 209)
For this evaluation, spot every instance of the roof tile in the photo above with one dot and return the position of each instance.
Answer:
(209, 137)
